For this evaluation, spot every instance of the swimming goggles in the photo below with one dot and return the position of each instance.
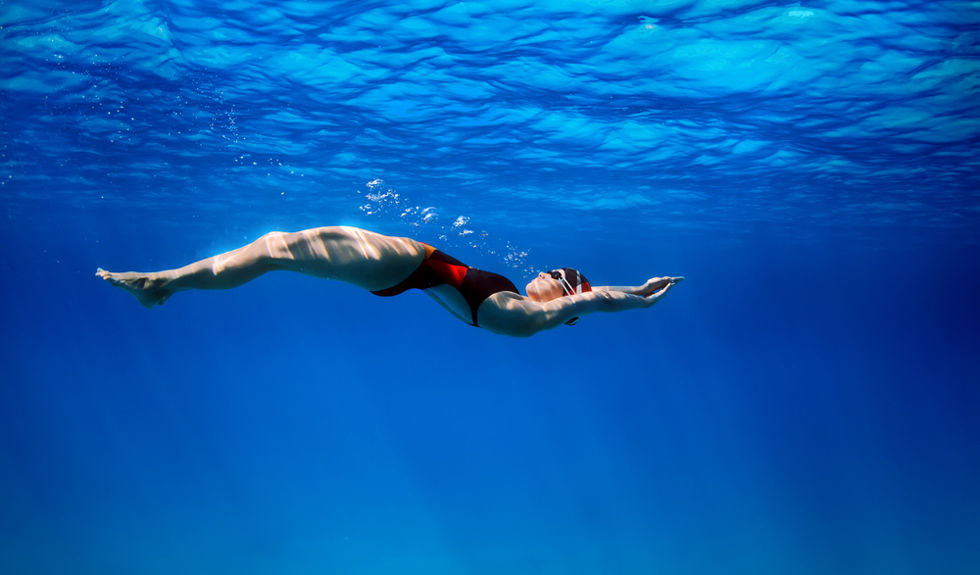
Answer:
(559, 275)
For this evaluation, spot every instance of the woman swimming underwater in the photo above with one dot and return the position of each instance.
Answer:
(388, 266)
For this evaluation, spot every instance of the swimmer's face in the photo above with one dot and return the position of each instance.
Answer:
(544, 288)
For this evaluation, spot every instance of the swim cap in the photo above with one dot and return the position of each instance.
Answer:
(571, 280)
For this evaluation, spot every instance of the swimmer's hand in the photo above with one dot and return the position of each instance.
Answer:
(661, 285)
(654, 285)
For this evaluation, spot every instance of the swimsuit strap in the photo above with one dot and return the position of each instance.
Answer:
(478, 285)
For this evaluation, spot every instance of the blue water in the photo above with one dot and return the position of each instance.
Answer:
(806, 402)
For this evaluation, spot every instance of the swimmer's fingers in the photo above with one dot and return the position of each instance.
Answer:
(652, 285)
(655, 296)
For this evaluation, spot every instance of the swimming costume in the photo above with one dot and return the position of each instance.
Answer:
(439, 268)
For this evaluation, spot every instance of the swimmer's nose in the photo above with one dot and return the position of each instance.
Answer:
(542, 274)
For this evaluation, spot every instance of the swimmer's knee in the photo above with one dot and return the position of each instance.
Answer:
(275, 247)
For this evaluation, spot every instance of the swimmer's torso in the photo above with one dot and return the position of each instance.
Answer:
(458, 287)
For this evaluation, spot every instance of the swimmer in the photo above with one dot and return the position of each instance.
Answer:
(388, 266)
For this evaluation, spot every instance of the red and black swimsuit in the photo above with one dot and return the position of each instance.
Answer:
(441, 269)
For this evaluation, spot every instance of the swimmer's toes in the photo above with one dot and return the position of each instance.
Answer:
(145, 289)
(113, 278)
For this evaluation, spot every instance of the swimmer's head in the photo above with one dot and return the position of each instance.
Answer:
(571, 280)
(557, 283)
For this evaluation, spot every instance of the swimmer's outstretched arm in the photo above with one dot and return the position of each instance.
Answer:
(651, 286)
(518, 316)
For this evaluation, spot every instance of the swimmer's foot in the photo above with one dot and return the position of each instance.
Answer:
(149, 289)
